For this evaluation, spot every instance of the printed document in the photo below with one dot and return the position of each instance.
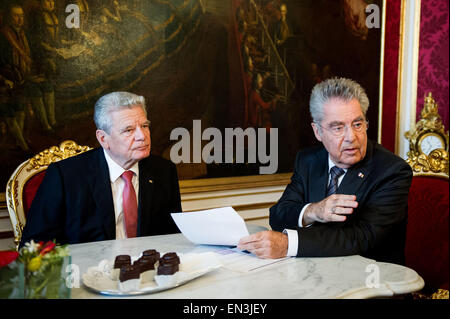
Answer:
(219, 226)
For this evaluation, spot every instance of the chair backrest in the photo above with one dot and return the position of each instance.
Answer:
(427, 236)
(24, 182)
(426, 249)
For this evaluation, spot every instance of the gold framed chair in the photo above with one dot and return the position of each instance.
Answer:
(25, 180)
(427, 238)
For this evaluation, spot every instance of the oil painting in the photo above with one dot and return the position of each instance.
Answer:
(222, 64)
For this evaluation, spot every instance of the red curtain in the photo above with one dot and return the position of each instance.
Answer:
(390, 78)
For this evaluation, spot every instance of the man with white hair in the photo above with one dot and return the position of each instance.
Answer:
(116, 191)
(348, 196)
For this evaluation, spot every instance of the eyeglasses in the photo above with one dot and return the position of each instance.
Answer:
(339, 130)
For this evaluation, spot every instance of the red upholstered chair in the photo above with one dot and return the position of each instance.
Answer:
(427, 236)
(427, 250)
(24, 182)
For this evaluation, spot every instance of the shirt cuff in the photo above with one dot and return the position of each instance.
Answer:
(300, 218)
(292, 242)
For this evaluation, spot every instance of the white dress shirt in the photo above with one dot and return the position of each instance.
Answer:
(293, 234)
(117, 185)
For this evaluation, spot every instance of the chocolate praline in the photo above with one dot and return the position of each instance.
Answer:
(129, 272)
(170, 257)
(167, 268)
(122, 260)
(151, 254)
(145, 263)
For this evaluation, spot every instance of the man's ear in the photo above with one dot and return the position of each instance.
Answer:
(316, 129)
(102, 138)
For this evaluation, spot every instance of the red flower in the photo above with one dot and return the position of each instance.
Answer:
(47, 248)
(7, 257)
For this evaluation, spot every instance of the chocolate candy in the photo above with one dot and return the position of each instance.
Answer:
(145, 263)
(129, 272)
(168, 264)
(170, 257)
(122, 260)
(151, 254)
(167, 268)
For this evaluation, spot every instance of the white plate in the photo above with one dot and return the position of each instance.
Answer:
(191, 266)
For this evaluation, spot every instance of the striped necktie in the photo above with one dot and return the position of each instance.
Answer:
(335, 173)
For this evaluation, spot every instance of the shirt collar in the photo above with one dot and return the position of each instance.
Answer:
(331, 164)
(115, 170)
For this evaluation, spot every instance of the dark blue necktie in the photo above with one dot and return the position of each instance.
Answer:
(335, 173)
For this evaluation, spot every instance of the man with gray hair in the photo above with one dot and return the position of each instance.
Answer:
(116, 191)
(348, 196)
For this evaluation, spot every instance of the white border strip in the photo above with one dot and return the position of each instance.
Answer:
(408, 74)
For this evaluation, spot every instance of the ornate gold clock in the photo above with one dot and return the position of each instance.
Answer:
(428, 141)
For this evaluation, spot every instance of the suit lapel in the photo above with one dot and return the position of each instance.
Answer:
(319, 176)
(102, 194)
(146, 185)
(357, 175)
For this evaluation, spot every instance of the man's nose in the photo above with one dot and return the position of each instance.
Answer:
(139, 133)
(349, 133)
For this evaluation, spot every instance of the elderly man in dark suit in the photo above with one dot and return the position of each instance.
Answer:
(113, 192)
(349, 196)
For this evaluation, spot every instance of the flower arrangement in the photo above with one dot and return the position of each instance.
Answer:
(35, 271)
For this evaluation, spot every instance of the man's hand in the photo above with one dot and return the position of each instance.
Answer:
(265, 244)
(334, 208)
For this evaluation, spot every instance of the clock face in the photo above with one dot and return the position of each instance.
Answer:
(430, 143)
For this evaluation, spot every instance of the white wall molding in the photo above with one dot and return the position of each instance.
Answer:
(408, 69)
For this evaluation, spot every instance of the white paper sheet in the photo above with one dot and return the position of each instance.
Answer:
(219, 226)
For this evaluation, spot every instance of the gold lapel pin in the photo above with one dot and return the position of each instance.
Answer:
(150, 181)
(361, 175)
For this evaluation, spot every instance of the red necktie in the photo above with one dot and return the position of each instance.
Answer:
(129, 205)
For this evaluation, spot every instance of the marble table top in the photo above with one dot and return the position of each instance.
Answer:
(292, 278)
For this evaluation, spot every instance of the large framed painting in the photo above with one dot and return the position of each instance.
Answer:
(227, 82)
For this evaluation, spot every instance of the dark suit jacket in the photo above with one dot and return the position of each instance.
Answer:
(377, 227)
(74, 203)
